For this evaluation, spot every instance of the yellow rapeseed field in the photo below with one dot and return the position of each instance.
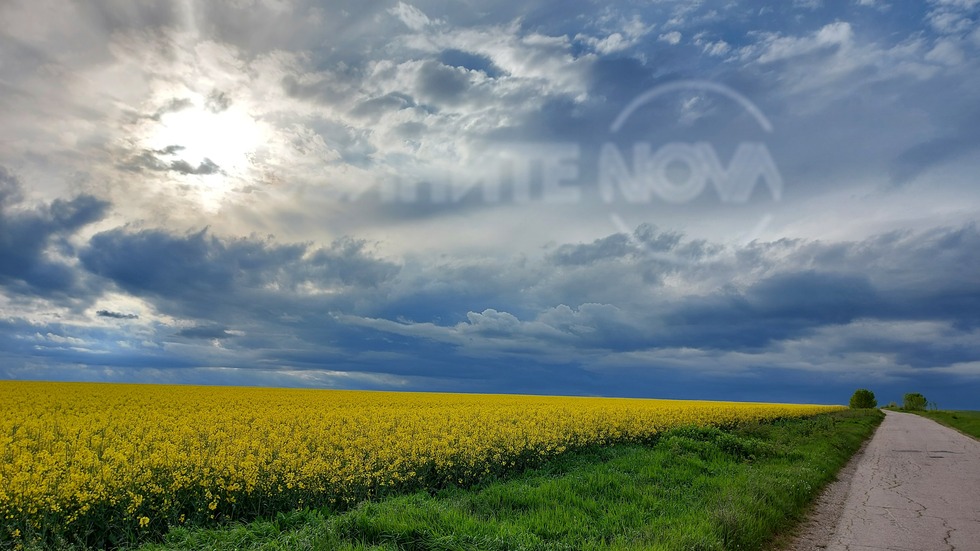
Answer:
(81, 462)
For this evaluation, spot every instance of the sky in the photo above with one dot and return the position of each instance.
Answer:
(700, 200)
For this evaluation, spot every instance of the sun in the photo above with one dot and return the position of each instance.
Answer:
(213, 147)
(226, 137)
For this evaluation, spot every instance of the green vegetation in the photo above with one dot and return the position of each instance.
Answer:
(967, 422)
(693, 489)
(863, 398)
(914, 401)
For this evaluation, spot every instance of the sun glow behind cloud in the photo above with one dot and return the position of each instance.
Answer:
(228, 138)
(214, 148)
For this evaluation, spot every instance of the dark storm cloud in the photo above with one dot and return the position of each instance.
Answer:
(809, 287)
(918, 355)
(56, 351)
(169, 150)
(203, 276)
(347, 261)
(783, 306)
(28, 233)
(158, 263)
(926, 275)
(116, 315)
(160, 160)
(442, 84)
(206, 167)
(535, 315)
(614, 246)
(821, 297)
(897, 277)
(620, 245)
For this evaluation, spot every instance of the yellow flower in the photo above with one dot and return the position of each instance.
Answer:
(70, 448)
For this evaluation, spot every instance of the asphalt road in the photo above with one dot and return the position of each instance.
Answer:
(916, 487)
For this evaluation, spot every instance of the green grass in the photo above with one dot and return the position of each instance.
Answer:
(694, 489)
(967, 422)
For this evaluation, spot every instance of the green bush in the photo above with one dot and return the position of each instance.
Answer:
(863, 399)
(914, 401)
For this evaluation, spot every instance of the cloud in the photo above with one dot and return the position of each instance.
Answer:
(217, 101)
(673, 38)
(411, 16)
(174, 105)
(873, 133)
(470, 61)
(34, 238)
(116, 315)
(959, 139)
(952, 17)
(717, 48)
(793, 305)
(378, 106)
(711, 47)
(786, 299)
(946, 52)
(829, 38)
(442, 84)
(206, 167)
(201, 276)
(204, 332)
(10, 189)
(626, 35)
(531, 60)
(613, 246)
(157, 160)
(836, 53)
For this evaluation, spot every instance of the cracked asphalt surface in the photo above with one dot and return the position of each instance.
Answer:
(915, 488)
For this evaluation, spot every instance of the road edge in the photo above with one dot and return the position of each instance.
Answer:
(821, 519)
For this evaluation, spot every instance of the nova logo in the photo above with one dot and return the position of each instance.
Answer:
(679, 172)
(557, 173)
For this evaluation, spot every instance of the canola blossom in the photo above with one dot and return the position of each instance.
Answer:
(106, 464)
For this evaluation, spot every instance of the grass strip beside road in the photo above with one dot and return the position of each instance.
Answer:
(967, 422)
(694, 489)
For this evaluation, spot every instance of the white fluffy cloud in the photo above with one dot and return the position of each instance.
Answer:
(672, 37)
(411, 16)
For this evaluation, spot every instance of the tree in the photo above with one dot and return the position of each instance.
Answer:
(915, 401)
(863, 398)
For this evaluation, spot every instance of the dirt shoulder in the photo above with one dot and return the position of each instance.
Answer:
(815, 533)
